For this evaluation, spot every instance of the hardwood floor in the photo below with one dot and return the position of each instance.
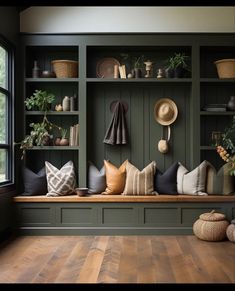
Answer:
(116, 259)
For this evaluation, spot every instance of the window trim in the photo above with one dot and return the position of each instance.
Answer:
(10, 93)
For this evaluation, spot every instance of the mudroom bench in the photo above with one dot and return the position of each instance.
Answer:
(115, 214)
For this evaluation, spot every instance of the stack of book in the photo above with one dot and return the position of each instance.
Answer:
(122, 71)
(215, 107)
(74, 135)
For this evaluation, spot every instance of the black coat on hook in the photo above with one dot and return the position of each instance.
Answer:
(117, 131)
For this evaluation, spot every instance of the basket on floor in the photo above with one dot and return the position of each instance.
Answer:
(211, 226)
(225, 68)
(65, 68)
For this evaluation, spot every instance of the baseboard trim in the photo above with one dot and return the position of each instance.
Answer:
(105, 231)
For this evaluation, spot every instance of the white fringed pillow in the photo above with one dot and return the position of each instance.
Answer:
(60, 182)
(194, 182)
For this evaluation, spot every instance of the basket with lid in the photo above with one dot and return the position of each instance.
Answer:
(211, 226)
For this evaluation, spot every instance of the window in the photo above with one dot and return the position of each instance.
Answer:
(6, 96)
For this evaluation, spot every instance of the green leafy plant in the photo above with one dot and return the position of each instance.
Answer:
(40, 100)
(63, 133)
(177, 60)
(138, 62)
(38, 135)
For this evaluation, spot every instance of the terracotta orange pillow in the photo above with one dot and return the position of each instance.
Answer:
(115, 178)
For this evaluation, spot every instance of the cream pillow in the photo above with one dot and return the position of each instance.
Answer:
(115, 178)
(140, 182)
(194, 182)
(60, 182)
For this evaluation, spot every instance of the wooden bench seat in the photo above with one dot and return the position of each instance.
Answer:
(121, 198)
(116, 214)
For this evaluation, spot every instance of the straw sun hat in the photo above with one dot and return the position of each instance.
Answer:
(165, 111)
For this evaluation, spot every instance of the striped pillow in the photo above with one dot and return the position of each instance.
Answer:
(60, 182)
(139, 183)
(194, 182)
(219, 182)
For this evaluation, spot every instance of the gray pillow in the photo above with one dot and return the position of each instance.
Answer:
(96, 179)
(194, 182)
(34, 183)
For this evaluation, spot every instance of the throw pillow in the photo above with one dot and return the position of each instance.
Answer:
(115, 178)
(139, 182)
(194, 182)
(219, 182)
(166, 183)
(60, 182)
(34, 183)
(96, 179)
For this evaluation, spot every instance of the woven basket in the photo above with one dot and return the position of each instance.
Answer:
(65, 68)
(231, 231)
(225, 68)
(211, 226)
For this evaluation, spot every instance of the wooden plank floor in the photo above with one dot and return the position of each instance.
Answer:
(116, 259)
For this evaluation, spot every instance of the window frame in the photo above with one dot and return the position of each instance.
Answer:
(9, 93)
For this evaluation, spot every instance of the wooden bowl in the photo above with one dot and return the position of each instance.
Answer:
(81, 191)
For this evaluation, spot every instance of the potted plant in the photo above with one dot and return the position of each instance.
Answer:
(138, 64)
(40, 100)
(177, 65)
(64, 140)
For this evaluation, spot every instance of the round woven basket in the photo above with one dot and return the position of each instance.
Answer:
(231, 231)
(211, 226)
(225, 68)
(65, 68)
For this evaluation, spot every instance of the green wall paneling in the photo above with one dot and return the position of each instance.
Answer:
(144, 131)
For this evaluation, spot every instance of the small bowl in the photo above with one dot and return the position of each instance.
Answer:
(81, 191)
(48, 74)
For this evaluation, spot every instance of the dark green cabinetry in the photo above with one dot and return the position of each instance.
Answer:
(114, 218)
(44, 54)
(214, 91)
(191, 133)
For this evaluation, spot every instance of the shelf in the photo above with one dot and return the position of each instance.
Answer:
(140, 80)
(52, 113)
(216, 80)
(51, 80)
(208, 148)
(225, 113)
(43, 148)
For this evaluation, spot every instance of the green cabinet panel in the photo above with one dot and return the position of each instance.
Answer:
(76, 215)
(190, 215)
(119, 216)
(161, 216)
(233, 212)
(37, 215)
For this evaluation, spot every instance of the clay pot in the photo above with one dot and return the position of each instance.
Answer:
(57, 141)
(46, 141)
(64, 142)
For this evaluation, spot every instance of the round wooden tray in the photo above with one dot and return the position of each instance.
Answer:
(105, 67)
